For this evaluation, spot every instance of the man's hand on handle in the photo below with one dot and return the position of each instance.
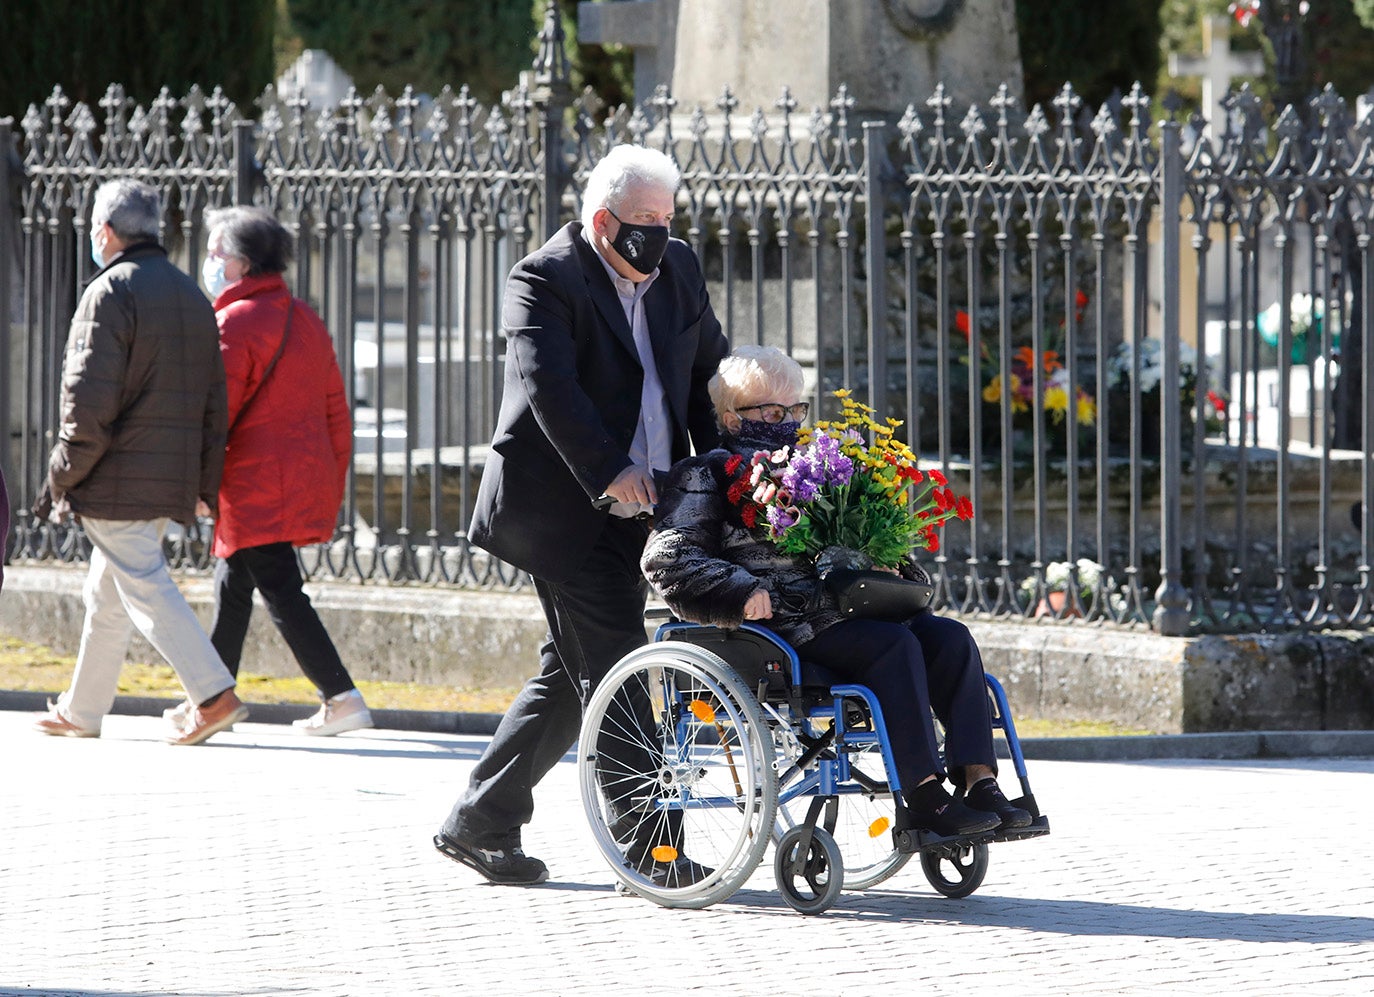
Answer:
(634, 484)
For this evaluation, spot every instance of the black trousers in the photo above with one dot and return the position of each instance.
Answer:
(595, 619)
(930, 663)
(273, 571)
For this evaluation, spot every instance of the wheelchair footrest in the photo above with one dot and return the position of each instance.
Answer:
(1039, 827)
(912, 840)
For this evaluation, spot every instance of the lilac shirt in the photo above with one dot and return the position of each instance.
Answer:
(652, 446)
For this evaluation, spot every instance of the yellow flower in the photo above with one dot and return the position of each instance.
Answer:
(1087, 409)
(1056, 400)
(992, 394)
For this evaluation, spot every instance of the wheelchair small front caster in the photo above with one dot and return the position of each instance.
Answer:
(810, 882)
(955, 870)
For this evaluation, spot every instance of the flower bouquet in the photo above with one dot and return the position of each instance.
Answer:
(848, 483)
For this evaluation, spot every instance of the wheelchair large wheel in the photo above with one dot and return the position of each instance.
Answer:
(863, 826)
(810, 883)
(675, 764)
(956, 871)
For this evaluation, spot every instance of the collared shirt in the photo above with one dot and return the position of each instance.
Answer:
(652, 446)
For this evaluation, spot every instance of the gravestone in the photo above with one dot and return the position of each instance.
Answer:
(316, 77)
(888, 53)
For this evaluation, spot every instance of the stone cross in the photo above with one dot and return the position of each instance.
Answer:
(1217, 66)
(648, 27)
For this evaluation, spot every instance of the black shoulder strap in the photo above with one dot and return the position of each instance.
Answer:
(271, 364)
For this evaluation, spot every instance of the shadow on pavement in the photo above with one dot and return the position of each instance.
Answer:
(1077, 917)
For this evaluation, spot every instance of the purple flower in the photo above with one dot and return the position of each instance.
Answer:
(780, 518)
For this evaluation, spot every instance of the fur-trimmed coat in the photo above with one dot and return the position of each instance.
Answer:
(705, 563)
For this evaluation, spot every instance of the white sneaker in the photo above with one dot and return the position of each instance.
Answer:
(176, 715)
(342, 713)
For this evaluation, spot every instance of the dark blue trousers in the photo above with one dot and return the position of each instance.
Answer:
(931, 663)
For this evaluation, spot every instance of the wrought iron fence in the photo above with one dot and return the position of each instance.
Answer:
(1064, 305)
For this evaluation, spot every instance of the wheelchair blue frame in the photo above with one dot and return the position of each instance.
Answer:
(832, 775)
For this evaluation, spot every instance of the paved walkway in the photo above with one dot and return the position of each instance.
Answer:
(266, 863)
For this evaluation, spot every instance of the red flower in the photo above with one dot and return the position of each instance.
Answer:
(963, 508)
(750, 515)
(936, 476)
(732, 463)
(1080, 299)
(1217, 401)
(932, 539)
(961, 322)
(911, 473)
(737, 490)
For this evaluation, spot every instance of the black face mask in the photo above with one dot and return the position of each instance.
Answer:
(773, 435)
(641, 246)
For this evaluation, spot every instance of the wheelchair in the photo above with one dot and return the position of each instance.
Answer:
(710, 744)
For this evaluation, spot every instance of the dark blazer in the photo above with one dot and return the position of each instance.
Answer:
(571, 398)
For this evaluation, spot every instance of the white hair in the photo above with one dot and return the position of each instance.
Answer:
(130, 207)
(624, 169)
(755, 372)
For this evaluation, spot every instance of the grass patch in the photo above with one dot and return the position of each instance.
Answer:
(32, 667)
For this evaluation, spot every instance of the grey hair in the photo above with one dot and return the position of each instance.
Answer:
(253, 235)
(626, 168)
(754, 370)
(130, 207)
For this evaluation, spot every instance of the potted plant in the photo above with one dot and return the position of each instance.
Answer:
(1052, 597)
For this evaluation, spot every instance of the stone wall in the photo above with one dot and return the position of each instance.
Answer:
(1055, 671)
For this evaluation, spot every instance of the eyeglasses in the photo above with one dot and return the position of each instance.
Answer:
(774, 412)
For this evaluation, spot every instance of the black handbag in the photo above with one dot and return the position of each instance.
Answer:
(877, 595)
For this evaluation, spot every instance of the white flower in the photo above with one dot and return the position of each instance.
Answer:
(1151, 364)
(1057, 577)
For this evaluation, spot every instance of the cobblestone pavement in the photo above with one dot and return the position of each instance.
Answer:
(268, 863)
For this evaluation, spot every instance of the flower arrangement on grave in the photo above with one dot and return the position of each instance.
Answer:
(1150, 375)
(1063, 409)
(1306, 315)
(848, 483)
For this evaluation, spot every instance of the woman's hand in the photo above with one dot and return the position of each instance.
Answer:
(759, 606)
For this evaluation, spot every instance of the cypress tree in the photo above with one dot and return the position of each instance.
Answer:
(1099, 47)
(143, 46)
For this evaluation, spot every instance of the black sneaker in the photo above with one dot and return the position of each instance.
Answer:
(986, 795)
(505, 866)
(931, 808)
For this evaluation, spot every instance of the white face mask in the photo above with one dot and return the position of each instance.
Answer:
(212, 272)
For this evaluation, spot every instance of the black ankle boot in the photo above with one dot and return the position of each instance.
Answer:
(931, 808)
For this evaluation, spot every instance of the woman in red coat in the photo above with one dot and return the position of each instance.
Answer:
(287, 457)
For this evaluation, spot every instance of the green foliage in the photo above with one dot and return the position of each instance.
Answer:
(143, 46)
(426, 44)
(1114, 47)
(1341, 46)
(1364, 10)
(607, 70)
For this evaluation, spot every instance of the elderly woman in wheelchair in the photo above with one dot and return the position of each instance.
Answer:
(711, 569)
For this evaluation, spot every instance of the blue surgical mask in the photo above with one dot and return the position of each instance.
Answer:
(212, 272)
(772, 435)
(95, 252)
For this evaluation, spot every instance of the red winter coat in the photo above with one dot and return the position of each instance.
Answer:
(288, 454)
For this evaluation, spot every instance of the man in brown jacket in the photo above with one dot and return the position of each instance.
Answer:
(141, 438)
